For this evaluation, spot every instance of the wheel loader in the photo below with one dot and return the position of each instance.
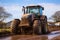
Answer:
(32, 22)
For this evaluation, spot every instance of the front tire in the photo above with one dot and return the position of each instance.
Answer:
(37, 27)
(44, 27)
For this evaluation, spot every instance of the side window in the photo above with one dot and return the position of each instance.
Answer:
(26, 10)
(41, 11)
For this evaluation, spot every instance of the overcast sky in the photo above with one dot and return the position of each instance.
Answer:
(15, 6)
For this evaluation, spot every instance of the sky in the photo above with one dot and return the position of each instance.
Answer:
(14, 7)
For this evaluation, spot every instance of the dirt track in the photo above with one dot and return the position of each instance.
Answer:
(29, 37)
(26, 37)
(51, 36)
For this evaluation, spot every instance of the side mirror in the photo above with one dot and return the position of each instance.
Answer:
(23, 9)
(42, 8)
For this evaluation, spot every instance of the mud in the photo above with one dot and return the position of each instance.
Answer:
(51, 36)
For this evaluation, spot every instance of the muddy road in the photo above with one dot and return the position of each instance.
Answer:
(50, 36)
(25, 37)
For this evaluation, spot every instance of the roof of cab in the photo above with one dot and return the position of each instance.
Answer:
(34, 6)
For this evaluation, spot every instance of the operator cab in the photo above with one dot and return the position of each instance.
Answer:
(33, 9)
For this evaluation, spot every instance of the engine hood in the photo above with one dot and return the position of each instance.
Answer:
(29, 16)
(25, 15)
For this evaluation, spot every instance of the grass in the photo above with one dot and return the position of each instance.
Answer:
(3, 30)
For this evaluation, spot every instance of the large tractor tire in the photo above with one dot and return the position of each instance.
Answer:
(44, 27)
(40, 26)
(37, 27)
(15, 27)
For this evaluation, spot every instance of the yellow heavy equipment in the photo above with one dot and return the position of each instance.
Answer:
(32, 22)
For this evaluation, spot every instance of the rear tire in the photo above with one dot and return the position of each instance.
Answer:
(15, 27)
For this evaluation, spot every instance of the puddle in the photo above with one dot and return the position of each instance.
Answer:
(53, 34)
(6, 38)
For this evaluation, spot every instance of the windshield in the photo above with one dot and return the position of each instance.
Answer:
(33, 10)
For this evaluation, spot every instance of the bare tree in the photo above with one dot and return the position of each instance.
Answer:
(56, 16)
(4, 14)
